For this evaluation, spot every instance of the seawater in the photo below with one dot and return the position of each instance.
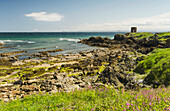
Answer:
(30, 41)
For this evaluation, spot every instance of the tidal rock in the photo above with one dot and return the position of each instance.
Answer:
(168, 42)
(13, 58)
(151, 43)
(120, 37)
(11, 53)
(96, 39)
(19, 82)
(108, 76)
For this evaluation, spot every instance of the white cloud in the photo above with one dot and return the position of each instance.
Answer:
(153, 23)
(44, 16)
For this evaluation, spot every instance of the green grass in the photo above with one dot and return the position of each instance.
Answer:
(163, 34)
(141, 35)
(160, 72)
(157, 66)
(29, 72)
(67, 69)
(101, 99)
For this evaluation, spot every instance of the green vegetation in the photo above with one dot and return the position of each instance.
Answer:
(65, 69)
(141, 35)
(29, 72)
(52, 69)
(102, 68)
(5, 72)
(157, 66)
(74, 74)
(163, 34)
(94, 100)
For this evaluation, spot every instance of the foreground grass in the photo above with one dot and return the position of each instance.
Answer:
(95, 99)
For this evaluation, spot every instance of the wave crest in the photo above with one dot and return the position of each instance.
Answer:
(9, 41)
(68, 39)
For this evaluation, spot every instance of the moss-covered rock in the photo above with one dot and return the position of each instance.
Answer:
(157, 66)
(140, 35)
(160, 72)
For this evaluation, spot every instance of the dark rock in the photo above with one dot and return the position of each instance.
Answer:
(13, 58)
(108, 76)
(96, 39)
(11, 53)
(168, 42)
(144, 50)
(127, 41)
(153, 43)
(19, 82)
(55, 77)
(120, 37)
(91, 39)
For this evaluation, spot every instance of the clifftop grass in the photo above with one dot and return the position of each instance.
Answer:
(157, 66)
(140, 35)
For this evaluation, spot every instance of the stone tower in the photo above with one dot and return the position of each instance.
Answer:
(134, 29)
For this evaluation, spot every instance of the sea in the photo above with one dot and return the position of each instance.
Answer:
(33, 42)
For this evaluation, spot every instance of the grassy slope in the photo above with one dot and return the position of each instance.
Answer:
(157, 66)
(141, 35)
(90, 99)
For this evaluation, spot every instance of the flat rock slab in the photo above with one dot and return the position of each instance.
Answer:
(6, 85)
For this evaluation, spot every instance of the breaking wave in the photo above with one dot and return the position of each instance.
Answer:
(8, 41)
(68, 39)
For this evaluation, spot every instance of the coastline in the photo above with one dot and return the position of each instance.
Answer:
(113, 64)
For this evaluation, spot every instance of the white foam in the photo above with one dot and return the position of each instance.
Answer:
(30, 42)
(1, 41)
(68, 39)
(111, 37)
(9, 41)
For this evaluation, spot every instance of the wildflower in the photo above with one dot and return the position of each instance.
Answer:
(164, 100)
(136, 97)
(151, 97)
(122, 91)
(127, 104)
(137, 109)
(159, 99)
(92, 109)
(150, 104)
(90, 87)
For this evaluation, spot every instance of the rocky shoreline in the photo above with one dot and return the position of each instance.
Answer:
(111, 65)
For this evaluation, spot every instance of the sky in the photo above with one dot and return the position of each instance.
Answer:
(84, 15)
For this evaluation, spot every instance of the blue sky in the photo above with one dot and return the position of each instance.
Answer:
(83, 15)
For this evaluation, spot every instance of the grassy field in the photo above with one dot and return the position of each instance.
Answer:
(94, 100)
